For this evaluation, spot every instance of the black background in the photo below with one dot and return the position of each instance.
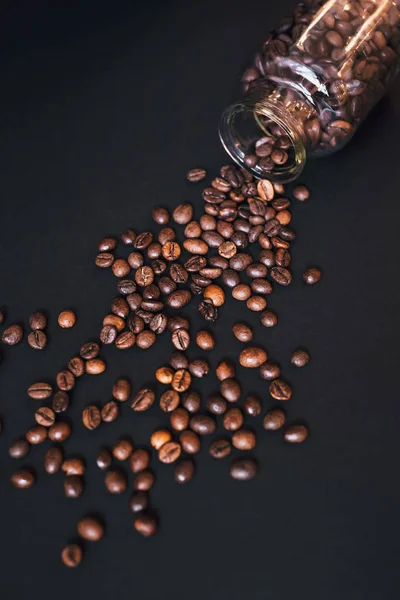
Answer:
(103, 109)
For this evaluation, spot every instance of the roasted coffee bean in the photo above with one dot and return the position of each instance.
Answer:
(144, 276)
(178, 360)
(287, 234)
(178, 323)
(269, 371)
(135, 260)
(240, 261)
(195, 263)
(19, 449)
(119, 307)
(252, 357)
(37, 340)
(45, 416)
(252, 406)
(160, 215)
(284, 217)
(40, 391)
(256, 303)
(107, 244)
(120, 268)
(178, 273)
(277, 242)
(227, 249)
(300, 192)
(91, 417)
(230, 389)
(213, 239)
(73, 466)
(265, 188)
(220, 448)
(96, 366)
(269, 318)
(159, 438)
(167, 285)
(164, 375)
(184, 471)
(53, 460)
(126, 287)
(280, 390)
(191, 401)
(60, 431)
(274, 419)
(143, 400)
(183, 213)
(171, 251)
(225, 370)
(281, 275)
(205, 340)
(199, 368)
(12, 335)
(233, 419)
(167, 234)
(179, 419)
(300, 358)
(240, 239)
(261, 286)
(213, 196)
(230, 278)
(190, 442)
(169, 452)
(193, 230)
(37, 321)
(71, 555)
(143, 240)
(108, 334)
(109, 412)
(104, 260)
(125, 340)
(169, 401)
(90, 529)
(145, 315)
(145, 524)
(181, 380)
(158, 266)
(296, 434)
(216, 405)
(195, 175)
(154, 250)
(115, 321)
(181, 339)
(73, 486)
(151, 292)
(244, 439)
(89, 350)
(65, 380)
(312, 276)
(282, 258)
(76, 366)
(241, 292)
(122, 449)
(115, 481)
(139, 502)
(128, 237)
(144, 481)
(104, 459)
(243, 469)
(145, 339)
(215, 293)
(36, 435)
(200, 281)
(23, 479)
(195, 246)
(179, 299)
(272, 228)
(139, 460)
(256, 270)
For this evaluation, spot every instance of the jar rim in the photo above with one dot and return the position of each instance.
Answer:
(275, 113)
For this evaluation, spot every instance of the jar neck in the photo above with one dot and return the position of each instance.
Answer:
(267, 112)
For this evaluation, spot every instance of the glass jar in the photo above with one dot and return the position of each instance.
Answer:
(311, 84)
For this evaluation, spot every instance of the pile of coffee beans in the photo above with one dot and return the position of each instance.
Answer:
(239, 244)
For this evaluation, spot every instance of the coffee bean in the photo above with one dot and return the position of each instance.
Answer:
(104, 459)
(296, 434)
(280, 390)
(37, 321)
(193, 230)
(181, 380)
(252, 357)
(230, 278)
(144, 276)
(225, 370)
(241, 292)
(66, 319)
(191, 401)
(12, 335)
(215, 293)
(183, 213)
(128, 237)
(107, 244)
(36, 435)
(190, 442)
(45, 416)
(169, 401)
(71, 555)
(90, 350)
(178, 360)
(145, 524)
(252, 406)
(90, 529)
(126, 287)
(60, 431)
(244, 439)
(179, 419)
(269, 371)
(40, 391)
(300, 358)
(139, 460)
(125, 340)
(281, 275)
(143, 400)
(195, 175)
(65, 380)
(139, 501)
(195, 246)
(230, 389)
(115, 481)
(73, 466)
(256, 303)
(240, 261)
(220, 448)
(243, 469)
(37, 340)
(184, 471)
(171, 251)
(158, 324)
(212, 239)
(23, 479)
(144, 481)
(109, 412)
(195, 263)
(164, 375)
(91, 417)
(216, 405)
(19, 449)
(179, 299)
(261, 286)
(160, 437)
(73, 486)
(233, 419)
(76, 366)
(181, 339)
(53, 460)
(242, 332)
(300, 192)
(208, 310)
(143, 240)
(160, 215)
(135, 260)
(115, 321)
(269, 318)
(147, 317)
(199, 368)
(274, 419)
(104, 260)
(119, 307)
(120, 267)
(202, 424)
(96, 366)
(169, 452)
(312, 276)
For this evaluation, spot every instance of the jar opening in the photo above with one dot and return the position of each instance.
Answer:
(264, 139)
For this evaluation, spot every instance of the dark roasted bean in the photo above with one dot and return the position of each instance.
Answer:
(300, 358)
(143, 400)
(76, 366)
(274, 419)
(91, 417)
(280, 390)
(296, 434)
(243, 469)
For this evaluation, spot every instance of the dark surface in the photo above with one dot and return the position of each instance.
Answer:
(103, 109)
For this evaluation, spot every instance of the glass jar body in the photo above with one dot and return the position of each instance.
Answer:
(312, 83)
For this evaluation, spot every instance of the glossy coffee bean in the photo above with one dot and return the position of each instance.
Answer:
(225, 370)
(296, 434)
(45, 416)
(160, 215)
(220, 448)
(280, 390)
(143, 240)
(91, 417)
(164, 375)
(199, 368)
(66, 319)
(145, 524)
(160, 437)
(109, 412)
(312, 276)
(274, 419)
(37, 321)
(205, 340)
(241, 292)
(190, 442)
(252, 357)
(178, 360)
(36, 435)
(216, 405)
(143, 400)
(128, 237)
(65, 380)
(244, 439)
(115, 481)
(23, 479)
(300, 192)
(300, 358)
(281, 275)
(53, 460)
(40, 390)
(76, 366)
(191, 401)
(90, 350)
(144, 481)
(72, 555)
(104, 459)
(37, 340)
(60, 402)
(60, 431)
(169, 452)
(73, 486)
(139, 460)
(183, 213)
(269, 318)
(73, 466)
(243, 469)
(252, 406)
(269, 371)
(195, 175)
(19, 449)
(202, 424)
(116, 321)
(184, 471)
(233, 419)
(96, 366)
(230, 278)
(121, 390)
(181, 339)
(90, 529)
(104, 260)
(12, 335)
(125, 340)
(230, 389)
(169, 401)
(179, 419)
(181, 380)
(139, 501)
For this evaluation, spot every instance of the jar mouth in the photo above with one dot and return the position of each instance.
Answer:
(243, 123)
